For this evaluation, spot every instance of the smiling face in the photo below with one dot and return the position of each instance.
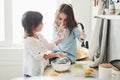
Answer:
(62, 19)
(65, 16)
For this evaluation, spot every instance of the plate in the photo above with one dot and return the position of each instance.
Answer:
(82, 57)
(82, 53)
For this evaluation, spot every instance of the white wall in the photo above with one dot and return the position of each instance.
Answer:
(83, 13)
(11, 63)
(62, 1)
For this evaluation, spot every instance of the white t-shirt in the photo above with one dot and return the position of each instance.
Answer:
(34, 49)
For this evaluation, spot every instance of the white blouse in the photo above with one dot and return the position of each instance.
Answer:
(34, 49)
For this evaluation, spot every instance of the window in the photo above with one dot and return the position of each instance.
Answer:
(46, 7)
(2, 33)
(11, 30)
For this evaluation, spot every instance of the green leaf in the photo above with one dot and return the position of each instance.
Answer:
(80, 66)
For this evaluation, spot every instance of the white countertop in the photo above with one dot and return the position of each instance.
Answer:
(72, 74)
(110, 17)
(55, 78)
(76, 72)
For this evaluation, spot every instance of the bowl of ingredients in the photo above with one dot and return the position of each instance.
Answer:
(61, 64)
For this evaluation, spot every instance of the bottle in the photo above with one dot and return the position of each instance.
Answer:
(111, 7)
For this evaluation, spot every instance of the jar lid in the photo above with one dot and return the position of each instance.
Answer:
(106, 65)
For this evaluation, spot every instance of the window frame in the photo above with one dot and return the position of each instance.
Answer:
(7, 24)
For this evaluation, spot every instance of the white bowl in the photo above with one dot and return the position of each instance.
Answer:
(61, 64)
(61, 67)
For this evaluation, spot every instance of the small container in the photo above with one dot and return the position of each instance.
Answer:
(106, 11)
(104, 72)
(111, 7)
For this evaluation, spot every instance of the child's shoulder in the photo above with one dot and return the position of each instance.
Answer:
(39, 35)
(75, 28)
(28, 39)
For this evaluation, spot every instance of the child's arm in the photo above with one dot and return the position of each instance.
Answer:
(58, 41)
(61, 34)
(80, 35)
(48, 56)
(32, 48)
(52, 45)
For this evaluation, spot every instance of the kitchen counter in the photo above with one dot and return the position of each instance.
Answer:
(72, 74)
(73, 71)
(55, 78)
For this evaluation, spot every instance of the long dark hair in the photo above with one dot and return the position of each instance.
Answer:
(30, 21)
(68, 10)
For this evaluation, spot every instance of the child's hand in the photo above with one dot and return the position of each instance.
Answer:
(61, 32)
(61, 28)
(61, 35)
(83, 35)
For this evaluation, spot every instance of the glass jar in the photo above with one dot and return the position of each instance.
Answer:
(111, 7)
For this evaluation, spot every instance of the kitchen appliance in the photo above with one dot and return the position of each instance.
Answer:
(84, 43)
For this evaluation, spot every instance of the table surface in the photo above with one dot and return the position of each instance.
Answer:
(75, 72)
(55, 78)
(72, 74)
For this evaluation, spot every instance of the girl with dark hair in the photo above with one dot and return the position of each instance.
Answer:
(65, 21)
(36, 46)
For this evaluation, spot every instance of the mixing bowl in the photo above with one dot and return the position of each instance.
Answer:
(61, 64)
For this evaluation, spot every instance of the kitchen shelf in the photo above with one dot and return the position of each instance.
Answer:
(111, 17)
